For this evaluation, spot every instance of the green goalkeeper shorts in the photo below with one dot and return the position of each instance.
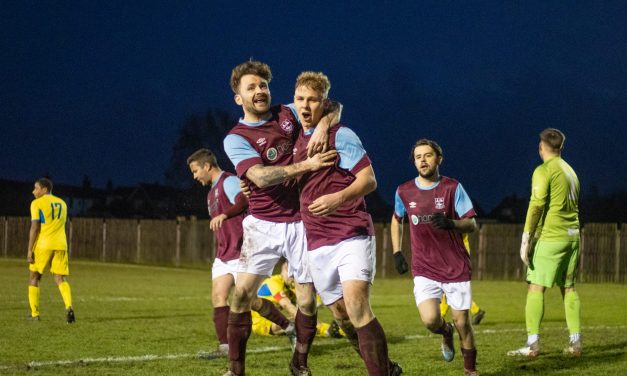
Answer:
(554, 263)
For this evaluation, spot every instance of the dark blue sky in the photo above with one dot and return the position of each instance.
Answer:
(101, 88)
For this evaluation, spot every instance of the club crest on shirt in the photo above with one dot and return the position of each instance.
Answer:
(261, 141)
(439, 202)
(287, 126)
(271, 154)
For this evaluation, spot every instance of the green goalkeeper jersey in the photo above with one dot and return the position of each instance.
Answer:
(555, 198)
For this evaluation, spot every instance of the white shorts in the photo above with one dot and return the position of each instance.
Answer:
(221, 268)
(266, 242)
(351, 259)
(458, 294)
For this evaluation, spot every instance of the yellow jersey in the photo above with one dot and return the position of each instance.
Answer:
(51, 212)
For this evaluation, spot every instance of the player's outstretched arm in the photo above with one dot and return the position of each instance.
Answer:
(265, 176)
(364, 183)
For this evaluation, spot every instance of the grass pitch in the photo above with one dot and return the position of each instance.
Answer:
(142, 320)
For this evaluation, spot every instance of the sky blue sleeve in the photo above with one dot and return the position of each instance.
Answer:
(349, 147)
(399, 207)
(292, 107)
(231, 188)
(462, 201)
(238, 149)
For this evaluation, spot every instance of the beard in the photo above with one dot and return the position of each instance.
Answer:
(251, 108)
(428, 174)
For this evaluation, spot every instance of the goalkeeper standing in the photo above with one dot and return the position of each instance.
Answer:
(552, 219)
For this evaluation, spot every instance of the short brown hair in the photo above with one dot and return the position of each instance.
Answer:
(553, 138)
(202, 156)
(45, 183)
(317, 81)
(256, 68)
(423, 141)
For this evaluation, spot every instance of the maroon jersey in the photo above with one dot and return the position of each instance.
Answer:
(231, 233)
(350, 219)
(269, 143)
(437, 254)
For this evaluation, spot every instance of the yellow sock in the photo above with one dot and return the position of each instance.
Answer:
(66, 294)
(443, 306)
(33, 300)
(474, 308)
(322, 329)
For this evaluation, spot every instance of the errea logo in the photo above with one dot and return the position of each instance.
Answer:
(262, 141)
(412, 205)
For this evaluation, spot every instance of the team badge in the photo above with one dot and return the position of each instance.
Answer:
(439, 202)
(271, 154)
(414, 219)
(287, 126)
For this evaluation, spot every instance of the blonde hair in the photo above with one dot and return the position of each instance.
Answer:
(317, 81)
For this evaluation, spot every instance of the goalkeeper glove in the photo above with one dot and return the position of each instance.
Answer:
(525, 247)
(400, 263)
(440, 221)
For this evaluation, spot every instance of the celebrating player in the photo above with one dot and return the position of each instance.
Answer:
(440, 211)
(552, 219)
(340, 233)
(260, 147)
(226, 207)
(47, 244)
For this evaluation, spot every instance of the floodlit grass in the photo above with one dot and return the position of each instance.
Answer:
(142, 320)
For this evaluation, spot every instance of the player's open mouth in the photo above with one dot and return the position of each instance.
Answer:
(260, 100)
(306, 116)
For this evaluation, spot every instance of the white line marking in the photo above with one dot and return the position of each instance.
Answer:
(260, 350)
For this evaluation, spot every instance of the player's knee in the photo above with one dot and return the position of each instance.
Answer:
(432, 322)
(307, 306)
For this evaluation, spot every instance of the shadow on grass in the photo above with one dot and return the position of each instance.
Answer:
(549, 362)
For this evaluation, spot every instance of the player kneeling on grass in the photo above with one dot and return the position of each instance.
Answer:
(280, 290)
(440, 212)
(47, 245)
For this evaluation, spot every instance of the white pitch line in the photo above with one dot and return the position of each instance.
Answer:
(260, 350)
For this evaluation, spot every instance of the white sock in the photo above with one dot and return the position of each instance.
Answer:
(575, 337)
(532, 338)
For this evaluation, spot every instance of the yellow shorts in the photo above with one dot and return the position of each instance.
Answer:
(261, 326)
(58, 261)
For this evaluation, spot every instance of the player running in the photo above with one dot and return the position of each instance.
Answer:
(47, 245)
(440, 212)
(552, 219)
(227, 207)
(340, 233)
(260, 147)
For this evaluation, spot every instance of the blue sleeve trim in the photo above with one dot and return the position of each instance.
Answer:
(231, 188)
(238, 149)
(292, 107)
(349, 147)
(42, 217)
(463, 204)
(399, 207)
